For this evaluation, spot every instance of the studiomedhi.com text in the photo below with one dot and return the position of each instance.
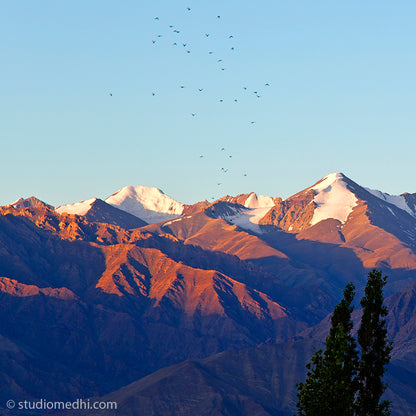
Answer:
(43, 404)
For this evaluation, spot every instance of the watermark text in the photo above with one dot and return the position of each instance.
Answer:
(78, 404)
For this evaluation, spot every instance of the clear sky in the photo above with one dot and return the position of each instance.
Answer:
(341, 96)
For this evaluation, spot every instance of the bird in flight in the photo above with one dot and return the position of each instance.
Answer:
(219, 60)
(193, 114)
(222, 148)
(232, 48)
(206, 34)
(189, 9)
(218, 17)
(221, 101)
(230, 37)
(267, 85)
(182, 86)
(244, 88)
(252, 122)
(235, 100)
(156, 18)
(201, 156)
(210, 52)
(200, 89)
(188, 51)
(153, 41)
(171, 26)
(176, 31)
(153, 94)
(174, 43)
(184, 44)
(111, 94)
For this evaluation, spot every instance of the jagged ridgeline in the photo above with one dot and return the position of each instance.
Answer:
(218, 301)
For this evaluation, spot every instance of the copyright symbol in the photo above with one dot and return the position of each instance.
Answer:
(10, 404)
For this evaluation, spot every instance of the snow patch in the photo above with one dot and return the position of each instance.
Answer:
(176, 220)
(333, 199)
(249, 219)
(17, 201)
(79, 208)
(258, 201)
(391, 211)
(398, 200)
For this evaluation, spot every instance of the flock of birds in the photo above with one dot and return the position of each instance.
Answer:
(176, 39)
(219, 60)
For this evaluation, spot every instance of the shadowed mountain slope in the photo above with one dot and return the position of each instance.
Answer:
(262, 381)
(91, 302)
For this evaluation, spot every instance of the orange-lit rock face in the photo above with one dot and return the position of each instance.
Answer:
(101, 305)
(294, 214)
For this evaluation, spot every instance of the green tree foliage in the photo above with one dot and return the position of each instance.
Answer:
(311, 392)
(338, 382)
(330, 384)
(375, 349)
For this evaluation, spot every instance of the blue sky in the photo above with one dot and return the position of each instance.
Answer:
(341, 97)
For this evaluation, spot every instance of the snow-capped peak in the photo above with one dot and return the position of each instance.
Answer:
(148, 203)
(333, 199)
(258, 201)
(79, 208)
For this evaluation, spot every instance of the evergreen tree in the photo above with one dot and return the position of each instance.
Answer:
(311, 392)
(375, 349)
(331, 384)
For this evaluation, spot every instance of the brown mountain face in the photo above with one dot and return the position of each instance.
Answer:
(410, 200)
(210, 231)
(262, 381)
(378, 233)
(293, 214)
(92, 302)
(191, 209)
(402, 323)
(375, 234)
(213, 234)
(100, 211)
(30, 202)
(254, 382)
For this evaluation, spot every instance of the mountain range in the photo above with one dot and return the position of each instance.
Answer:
(167, 307)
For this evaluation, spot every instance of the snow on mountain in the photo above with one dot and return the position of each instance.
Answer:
(79, 208)
(17, 201)
(333, 199)
(258, 201)
(398, 200)
(148, 203)
(249, 219)
(256, 208)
